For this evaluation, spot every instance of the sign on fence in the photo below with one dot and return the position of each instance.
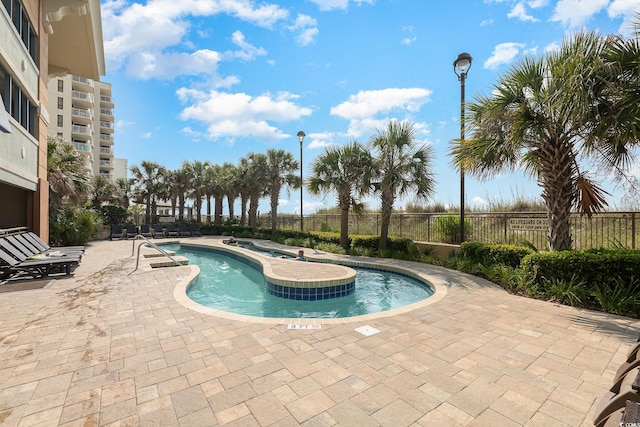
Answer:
(163, 219)
(529, 224)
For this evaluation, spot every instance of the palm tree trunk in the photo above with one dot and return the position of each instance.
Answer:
(274, 213)
(558, 191)
(217, 210)
(209, 209)
(344, 202)
(385, 217)
(243, 210)
(230, 203)
(253, 212)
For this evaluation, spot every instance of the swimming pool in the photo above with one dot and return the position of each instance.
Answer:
(230, 284)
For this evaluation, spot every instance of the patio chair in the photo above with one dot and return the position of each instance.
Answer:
(38, 242)
(194, 229)
(145, 231)
(183, 230)
(7, 245)
(132, 231)
(171, 230)
(618, 396)
(116, 232)
(10, 267)
(158, 231)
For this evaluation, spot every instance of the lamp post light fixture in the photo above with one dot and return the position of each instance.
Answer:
(461, 67)
(301, 136)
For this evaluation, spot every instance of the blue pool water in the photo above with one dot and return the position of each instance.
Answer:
(229, 284)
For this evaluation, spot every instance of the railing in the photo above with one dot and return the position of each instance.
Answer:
(83, 130)
(105, 98)
(106, 150)
(82, 147)
(108, 125)
(80, 112)
(152, 245)
(76, 94)
(600, 230)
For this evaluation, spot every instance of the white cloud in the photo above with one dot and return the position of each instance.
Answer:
(627, 10)
(135, 33)
(503, 54)
(520, 12)
(171, 64)
(326, 5)
(411, 37)
(535, 4)
(361, 109)
(574, 13)
(247, 51)
(307, 29)
(147, 135)
(553, 46)
(232, 115)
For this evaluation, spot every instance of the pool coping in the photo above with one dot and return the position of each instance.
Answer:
(180, 290)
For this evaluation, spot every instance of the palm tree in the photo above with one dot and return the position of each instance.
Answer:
(182, 182)
(196, 171)
(214, 188)
(545, 116)
(244, 187)
(149, 176)
(254, 176)
(346, 171)
(281, 168)
(231, 185)
(401, 166)
(102, 191)
(123, 191)
(67, 173)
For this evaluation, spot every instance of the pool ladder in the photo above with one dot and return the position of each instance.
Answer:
(151, 244)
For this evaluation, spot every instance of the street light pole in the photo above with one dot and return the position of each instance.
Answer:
(461, 67)
(301, 136)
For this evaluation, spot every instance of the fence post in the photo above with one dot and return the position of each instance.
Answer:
(506, 228)
(633, 230)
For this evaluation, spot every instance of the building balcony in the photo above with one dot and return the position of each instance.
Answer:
(106, 164)
(106, 139)
(106, 126)
(106, 113)
(82, 148)
(82, 84)
(81, 132)
(81, 115)
(106, 101)
(83, 99)
(106, 150)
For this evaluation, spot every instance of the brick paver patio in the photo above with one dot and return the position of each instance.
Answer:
(108, 348)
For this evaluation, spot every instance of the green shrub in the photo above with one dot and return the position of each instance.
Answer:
(330, 247)
(448, 228)
(74, 226)
(487, 253)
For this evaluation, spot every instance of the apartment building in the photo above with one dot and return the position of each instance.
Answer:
(39, 39)
(81, 111)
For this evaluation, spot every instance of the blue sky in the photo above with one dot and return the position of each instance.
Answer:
(217, 79)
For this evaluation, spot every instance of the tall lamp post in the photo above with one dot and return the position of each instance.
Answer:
(461, 67)
(301, 136)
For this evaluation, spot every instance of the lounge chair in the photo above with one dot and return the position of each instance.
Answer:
(171, 230)
(38, 242)
(183, 230)
(8, 246)
(132, 231)
(116, 232)
(9, 266)
(25, 249)
(194, 229)
(618, 396)
(145, 231)
(158, 231)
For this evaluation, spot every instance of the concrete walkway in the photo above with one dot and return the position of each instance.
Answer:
(111, 349)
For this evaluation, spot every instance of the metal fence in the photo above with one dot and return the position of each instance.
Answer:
(614, 229)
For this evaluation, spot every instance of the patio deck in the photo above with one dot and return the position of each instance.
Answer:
(103, 347)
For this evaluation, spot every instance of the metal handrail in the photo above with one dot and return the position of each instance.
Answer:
(153, 245)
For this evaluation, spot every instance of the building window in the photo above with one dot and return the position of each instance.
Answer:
(17, 103)
(60, 85)
(60, 120)
(60, 103)
(59, 134)
(20, 20)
